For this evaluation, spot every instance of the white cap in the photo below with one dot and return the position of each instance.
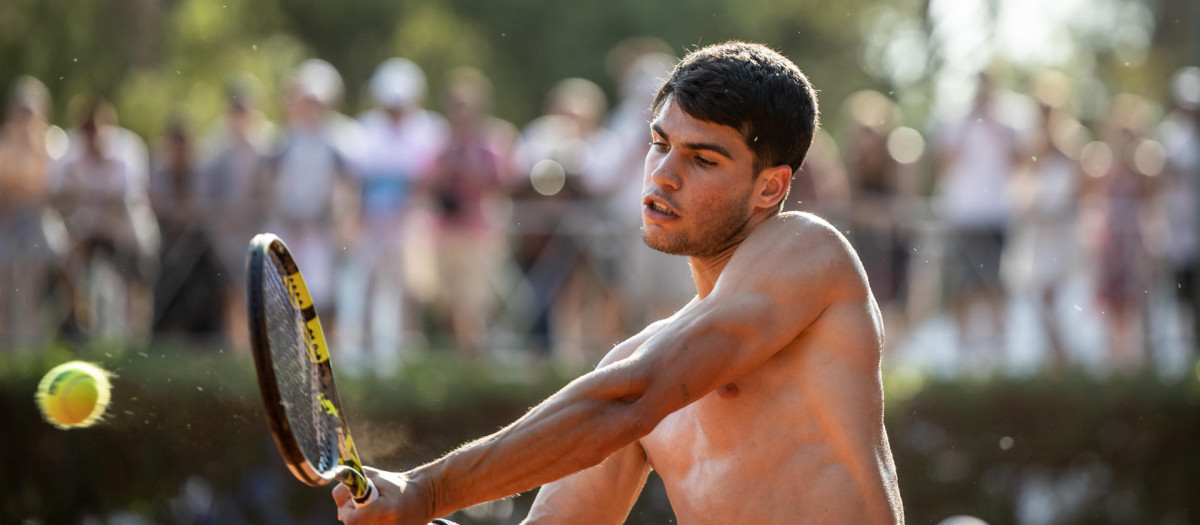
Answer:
(320, 80)
(398, 82)
(30, 93)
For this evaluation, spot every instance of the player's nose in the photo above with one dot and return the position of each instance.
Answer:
(661, 172)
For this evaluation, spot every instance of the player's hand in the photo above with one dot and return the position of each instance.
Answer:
(401, 501)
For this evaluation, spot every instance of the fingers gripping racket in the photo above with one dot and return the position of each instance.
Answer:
(294, 373)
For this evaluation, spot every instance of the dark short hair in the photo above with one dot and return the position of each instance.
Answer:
(753, 89)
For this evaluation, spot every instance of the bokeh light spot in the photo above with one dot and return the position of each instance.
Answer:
(548, 177)
(906, 145)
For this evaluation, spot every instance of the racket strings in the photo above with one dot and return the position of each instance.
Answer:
(297, 376)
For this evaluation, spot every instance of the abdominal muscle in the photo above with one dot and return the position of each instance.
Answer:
(778, 447)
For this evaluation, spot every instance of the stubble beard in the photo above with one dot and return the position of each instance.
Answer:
(711, 237)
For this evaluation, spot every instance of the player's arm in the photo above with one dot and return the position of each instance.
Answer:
(773, 287)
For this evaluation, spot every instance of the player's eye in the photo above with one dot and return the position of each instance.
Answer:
(705, 162)
(658, 145)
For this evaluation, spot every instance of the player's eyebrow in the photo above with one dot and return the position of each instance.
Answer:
(708, 146)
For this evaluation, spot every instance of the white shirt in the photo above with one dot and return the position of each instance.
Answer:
(394, 155)
(974, 188)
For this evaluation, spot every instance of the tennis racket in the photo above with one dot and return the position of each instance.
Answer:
(295, 375)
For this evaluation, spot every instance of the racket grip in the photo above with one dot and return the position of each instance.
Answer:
(368, 497)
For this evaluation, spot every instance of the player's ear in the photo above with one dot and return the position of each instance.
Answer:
(772, 186)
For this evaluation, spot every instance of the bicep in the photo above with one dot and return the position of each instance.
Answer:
(629, 346)
(715, 345)
(601, 494)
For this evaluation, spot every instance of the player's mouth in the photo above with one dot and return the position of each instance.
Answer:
(656, 208)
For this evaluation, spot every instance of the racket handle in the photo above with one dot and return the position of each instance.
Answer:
(356, 479)
(367, 498)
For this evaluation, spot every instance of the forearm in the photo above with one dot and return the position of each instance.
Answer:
(575, 429)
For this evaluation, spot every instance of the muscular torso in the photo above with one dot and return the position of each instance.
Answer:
(800, 439)
(783, 349)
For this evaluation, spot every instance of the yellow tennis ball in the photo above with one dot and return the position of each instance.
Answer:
(74, 394)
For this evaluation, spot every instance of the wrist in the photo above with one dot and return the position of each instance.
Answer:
(426, 485)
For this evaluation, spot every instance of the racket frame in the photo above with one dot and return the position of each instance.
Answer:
(349, 470)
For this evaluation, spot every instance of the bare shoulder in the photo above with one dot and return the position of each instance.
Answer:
(801, 246)
(806, 228)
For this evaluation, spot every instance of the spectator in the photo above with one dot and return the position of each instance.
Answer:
(309, 177)
(101, 190)
(975, 157)
(1050, 187)
(465, 184)
(821, 185)
(400, 142)
(1181, 184)
(1125, 189)
(188, 296)
(569, 156)
(232, 189)
(880, 224)
(25, 250)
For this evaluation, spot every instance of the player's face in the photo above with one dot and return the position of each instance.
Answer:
(697, 186)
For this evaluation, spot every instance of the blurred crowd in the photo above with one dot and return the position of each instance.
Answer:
(427, 222)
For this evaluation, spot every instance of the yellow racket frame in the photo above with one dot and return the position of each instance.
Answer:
(349, 470)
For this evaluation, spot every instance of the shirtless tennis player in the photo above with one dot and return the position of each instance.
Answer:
(760, 402)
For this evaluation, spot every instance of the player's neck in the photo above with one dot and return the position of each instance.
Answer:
(707, 269)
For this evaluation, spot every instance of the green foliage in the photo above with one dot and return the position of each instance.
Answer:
(1125, 446)
(178, 415)
(970, 447)
(158, 58)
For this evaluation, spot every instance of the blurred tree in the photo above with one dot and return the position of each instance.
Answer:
(154, 56)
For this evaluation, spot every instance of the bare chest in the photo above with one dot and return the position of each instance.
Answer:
(735, 423)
